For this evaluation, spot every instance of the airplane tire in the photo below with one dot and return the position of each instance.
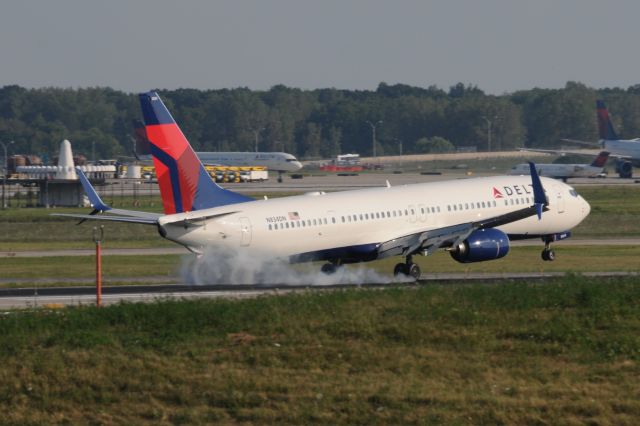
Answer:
(328, 268)
(548, 255)
(400, 268)
(414, 271)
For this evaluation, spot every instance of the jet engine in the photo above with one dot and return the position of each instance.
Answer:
(481, 245)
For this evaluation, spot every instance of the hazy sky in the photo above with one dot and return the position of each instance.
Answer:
(498, 45)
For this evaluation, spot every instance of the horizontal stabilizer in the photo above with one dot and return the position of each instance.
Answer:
(128, 219)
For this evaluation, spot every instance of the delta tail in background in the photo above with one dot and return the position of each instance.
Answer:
(276, 161)
(625, 151)
(566, 171)
(473, 219)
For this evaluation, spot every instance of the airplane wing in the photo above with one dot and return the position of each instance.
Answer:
(429, 241)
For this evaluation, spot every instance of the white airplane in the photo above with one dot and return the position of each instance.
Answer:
(474, 219)
(277, 161)
(626, 151)
(565, 171)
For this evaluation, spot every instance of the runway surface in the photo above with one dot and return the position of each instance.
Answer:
(52, 297)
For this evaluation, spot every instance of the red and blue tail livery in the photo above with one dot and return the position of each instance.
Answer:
(184, 183)
(605, 127)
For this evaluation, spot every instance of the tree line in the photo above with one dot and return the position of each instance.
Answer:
(317, 123)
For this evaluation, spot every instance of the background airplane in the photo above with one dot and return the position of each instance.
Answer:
(625, 151)
(474, 219)
(275, 161)
(565, 171)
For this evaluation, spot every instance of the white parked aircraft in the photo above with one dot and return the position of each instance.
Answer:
(565, 171)
(276, 161)
(474, 218)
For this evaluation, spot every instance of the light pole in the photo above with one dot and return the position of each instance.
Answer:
(373, 134)
(4, 174)
(256, 133)
(489, 123)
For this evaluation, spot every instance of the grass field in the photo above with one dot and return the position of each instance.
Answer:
(564, 352)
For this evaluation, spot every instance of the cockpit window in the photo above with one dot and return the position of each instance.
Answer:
(573, 192)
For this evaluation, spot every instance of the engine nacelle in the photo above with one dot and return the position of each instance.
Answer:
(481, 245)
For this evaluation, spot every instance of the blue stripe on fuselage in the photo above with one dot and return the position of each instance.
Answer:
(349, 254)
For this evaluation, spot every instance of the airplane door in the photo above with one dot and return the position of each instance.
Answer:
(245, 231)
(422, 212)
(560, 201)
(412, 214)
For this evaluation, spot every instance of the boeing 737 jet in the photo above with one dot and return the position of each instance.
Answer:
(474, 219)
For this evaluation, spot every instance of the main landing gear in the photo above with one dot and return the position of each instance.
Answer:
(408, 268)
(330, 268)
(548, 255)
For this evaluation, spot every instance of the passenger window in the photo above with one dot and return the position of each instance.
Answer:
(269, 227)
(324, 220)
(494, 203)
(448, 208)
(506, 202)
(303, 224)
(366, 216)
(333, 219)
(287, 225)
(342, 219)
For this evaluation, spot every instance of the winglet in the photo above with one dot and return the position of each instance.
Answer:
(95, 200)
(539, 199)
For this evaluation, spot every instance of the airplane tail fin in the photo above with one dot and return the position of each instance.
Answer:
(605, 127)
(600, 159)
(184, 183)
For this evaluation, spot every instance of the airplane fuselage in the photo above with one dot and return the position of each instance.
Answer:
(321, 226)
(277, 161)
(624, 148)
(558, 171)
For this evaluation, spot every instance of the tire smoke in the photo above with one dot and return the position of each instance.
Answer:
(222, 266)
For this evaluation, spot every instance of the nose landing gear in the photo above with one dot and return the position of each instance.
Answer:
(548, 255)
